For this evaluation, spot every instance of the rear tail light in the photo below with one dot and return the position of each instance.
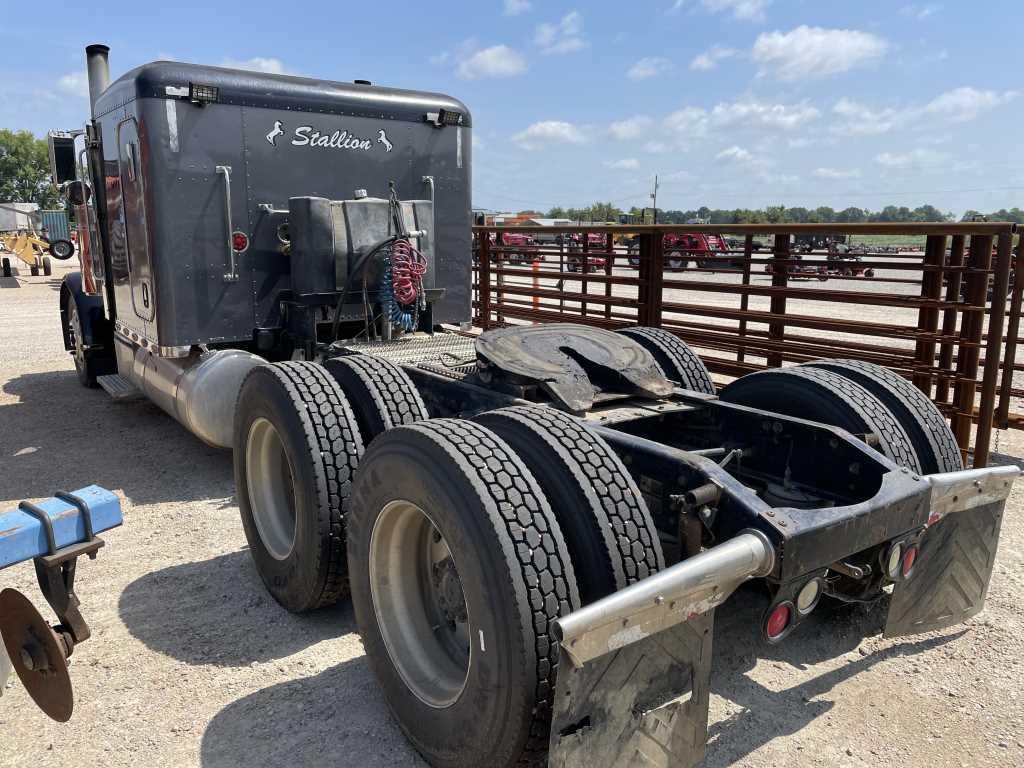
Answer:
(779, 621)
(809, 595)
(239, 241)
(908, 562)
(894, 562)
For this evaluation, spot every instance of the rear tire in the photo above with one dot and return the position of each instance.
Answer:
(296, 447)
(826, 397)
(34, 270)
(381, 394)
(675, 358)
(610, 533)
(514, 577)
(931, 436)
(6, 265)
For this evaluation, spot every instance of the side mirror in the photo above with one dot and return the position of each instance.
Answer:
(77, 193)
(63, 166)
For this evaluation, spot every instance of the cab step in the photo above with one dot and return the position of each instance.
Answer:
(118, 387)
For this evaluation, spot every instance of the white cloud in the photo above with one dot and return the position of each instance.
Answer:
(959, 105)
(745, 10)
(440, 59)
(648, 67)
(630, 128)
(705, 62)
(626, 164)
(690, 124)
(920, 12)
(257, 64)
(761, 114)
(917, 158)
(516, 7)
(563, 37)
(808, 53)
(549, 132)
(962, 105)
(74, 84)
(494, 62)
(735, 154)
(656, 147)
(687, 124)
(835, 173)
(860, 119)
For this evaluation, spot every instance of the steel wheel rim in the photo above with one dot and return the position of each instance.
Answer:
(271, 488)
(75, 331)
(420, 604)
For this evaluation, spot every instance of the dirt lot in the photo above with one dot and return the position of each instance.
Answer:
(192, 664)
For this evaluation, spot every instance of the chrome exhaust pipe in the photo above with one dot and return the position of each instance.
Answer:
(694, 586)
(98, 69)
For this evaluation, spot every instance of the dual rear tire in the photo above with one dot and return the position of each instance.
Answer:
(861, 398)
(459, 541)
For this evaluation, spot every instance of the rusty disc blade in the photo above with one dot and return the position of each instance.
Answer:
(37, 655)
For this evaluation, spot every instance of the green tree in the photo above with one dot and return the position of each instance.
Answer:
(25, 170)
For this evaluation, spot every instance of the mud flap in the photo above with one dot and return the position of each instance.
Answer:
(645, 704)
(953, 571)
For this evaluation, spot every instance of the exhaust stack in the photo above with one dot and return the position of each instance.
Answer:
(98, 68)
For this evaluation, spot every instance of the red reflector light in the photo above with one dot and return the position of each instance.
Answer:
(778, 621)
(909, 559)
(239, 241)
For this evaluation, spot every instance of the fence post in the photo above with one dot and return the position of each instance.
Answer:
(993, 348)
(748, 252)
(780, 279)
(928, 316)
(484, 279)
(608, 265)
(969, 351)
(651, 274)
(1012, 330)
(949, 318)
(584, 268)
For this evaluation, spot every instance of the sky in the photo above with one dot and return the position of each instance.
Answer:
(732, 103)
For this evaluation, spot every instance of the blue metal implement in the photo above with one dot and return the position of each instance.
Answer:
(23, 537)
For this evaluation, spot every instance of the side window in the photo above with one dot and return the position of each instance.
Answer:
(133, 212)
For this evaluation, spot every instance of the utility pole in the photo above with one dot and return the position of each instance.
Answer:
(654, 199)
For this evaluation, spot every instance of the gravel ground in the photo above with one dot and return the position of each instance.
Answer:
(192, 664)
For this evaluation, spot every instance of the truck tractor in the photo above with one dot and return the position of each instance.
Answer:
(534, 524)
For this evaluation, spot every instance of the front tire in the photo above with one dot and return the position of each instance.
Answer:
(296, 447)
(5, 264)
(85, 366)
(47, 267)
(460, 645)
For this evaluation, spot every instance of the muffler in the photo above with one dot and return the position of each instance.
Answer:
(199, 391)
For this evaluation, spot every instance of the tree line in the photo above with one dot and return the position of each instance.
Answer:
(778, 214)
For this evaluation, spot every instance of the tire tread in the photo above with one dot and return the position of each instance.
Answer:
(689, 369)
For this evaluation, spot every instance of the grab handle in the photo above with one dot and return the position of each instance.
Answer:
(232, 274)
